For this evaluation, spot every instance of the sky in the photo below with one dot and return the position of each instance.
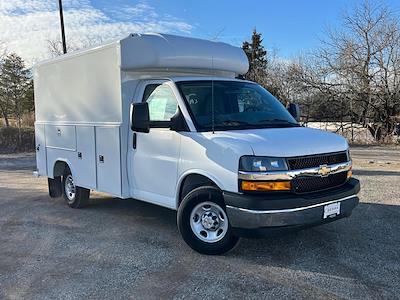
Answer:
(289, 27)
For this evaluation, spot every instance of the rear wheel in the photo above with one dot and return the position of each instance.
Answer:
(203, 222)
(75, 196)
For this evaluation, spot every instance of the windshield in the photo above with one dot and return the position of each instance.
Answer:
(237, 105)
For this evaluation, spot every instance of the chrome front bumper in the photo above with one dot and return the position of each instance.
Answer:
(248, 218)
(288, 210)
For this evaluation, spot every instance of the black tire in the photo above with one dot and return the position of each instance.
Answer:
(188, 205)
(78, 199)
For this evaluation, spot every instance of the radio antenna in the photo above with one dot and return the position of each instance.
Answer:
(212, 96)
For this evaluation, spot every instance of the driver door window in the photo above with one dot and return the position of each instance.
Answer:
(162, 104)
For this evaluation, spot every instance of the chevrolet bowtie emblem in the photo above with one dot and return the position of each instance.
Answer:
(324, 170)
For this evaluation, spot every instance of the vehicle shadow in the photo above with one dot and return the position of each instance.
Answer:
(134, 211)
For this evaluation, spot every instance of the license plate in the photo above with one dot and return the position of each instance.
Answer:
(331, 210)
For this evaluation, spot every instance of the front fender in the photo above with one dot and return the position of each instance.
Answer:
(218, 182)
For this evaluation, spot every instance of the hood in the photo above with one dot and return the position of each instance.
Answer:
(288, 142)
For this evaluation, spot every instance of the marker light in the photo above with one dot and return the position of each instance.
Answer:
(266, 186)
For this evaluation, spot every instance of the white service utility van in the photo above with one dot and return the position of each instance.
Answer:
(164, 119)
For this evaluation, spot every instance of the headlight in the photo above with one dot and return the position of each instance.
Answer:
(262, 164)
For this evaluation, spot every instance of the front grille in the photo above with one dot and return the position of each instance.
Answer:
(313, 184)
(312, 161)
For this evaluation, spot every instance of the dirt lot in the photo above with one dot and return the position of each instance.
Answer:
(129, 249)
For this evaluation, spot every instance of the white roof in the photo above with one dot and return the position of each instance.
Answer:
(153, 51)
(161, 51)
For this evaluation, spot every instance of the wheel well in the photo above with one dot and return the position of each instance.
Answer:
(191, 182)
(59, 168)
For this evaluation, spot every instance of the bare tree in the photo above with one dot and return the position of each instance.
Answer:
(55, 48)
(355, 75)
(363, 61)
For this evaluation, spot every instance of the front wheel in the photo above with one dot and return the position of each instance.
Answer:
(203, 222)
(75, 196)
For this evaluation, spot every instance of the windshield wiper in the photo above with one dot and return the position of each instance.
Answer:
(277, 121)
(262, 123)
(230, 123)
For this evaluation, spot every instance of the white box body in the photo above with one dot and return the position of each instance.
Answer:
(82, 101)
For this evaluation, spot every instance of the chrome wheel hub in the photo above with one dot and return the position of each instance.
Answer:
(209, 222)
(70, 189)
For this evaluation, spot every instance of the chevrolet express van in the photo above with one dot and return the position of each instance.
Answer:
(164, 119)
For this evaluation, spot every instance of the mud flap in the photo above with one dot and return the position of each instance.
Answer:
(54, 187)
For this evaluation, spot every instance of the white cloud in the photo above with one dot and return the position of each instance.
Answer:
(26, 26)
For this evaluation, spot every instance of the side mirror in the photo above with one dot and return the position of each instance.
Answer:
(140, 119)
(294, 110)
(178, 122)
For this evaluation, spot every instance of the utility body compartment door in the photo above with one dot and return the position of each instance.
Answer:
(61, 137)
(108, 159)
(86, 157)
(40, 144)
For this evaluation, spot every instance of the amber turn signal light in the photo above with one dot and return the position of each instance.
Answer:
(350, 172)
(266, 185)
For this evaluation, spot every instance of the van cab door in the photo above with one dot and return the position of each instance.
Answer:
(155, 155)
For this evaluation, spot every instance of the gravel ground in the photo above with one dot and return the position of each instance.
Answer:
(130, 249)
